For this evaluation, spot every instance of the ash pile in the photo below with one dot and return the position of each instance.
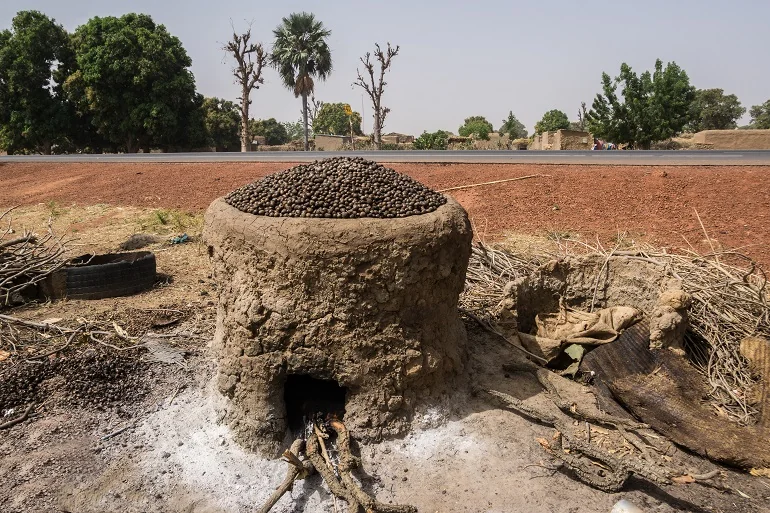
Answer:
(339, 284)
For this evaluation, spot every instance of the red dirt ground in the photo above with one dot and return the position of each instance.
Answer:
(650, 203)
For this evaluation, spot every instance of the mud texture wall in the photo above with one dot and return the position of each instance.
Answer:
(734, 139)
(369, 303)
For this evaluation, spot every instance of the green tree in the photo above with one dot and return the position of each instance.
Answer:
(651, 106)
(300, 52)
(552, 121)
(294, 129)
(273, 131)
(333, 120)
(34, 56)
(438, 140)
(760, 116)
(134, 80)
(222, 121)
(476, 126)
(513, 127)
(712, 109)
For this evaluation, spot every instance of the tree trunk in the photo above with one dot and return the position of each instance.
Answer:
(131, 145)
(245, 135)
(304, 118)
(46, 150)
(377, 128)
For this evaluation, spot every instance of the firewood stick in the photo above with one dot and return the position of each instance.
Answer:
(325, 455)
(347, 463)
(328, 476)
(293, 473)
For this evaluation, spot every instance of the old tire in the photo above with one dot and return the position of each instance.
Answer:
(111, 275)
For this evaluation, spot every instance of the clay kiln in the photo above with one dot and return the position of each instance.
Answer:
(320, 314)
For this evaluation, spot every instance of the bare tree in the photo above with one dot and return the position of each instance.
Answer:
(374, 88)
(250, 58)
(582, 114)
(313, 109)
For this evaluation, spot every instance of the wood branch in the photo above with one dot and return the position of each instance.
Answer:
(493, 182)
(18, 420)
(27, 260)
(347, 463)
(295, 471)
(13, 242)
(328, 476)
(619, 470)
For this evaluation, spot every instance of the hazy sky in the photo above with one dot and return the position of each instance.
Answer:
(463, 58)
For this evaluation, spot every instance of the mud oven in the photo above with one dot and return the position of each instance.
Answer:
(353, 316)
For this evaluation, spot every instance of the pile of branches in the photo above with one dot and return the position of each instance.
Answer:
(592, 464)
(729, 303)
(24, 340)
(27, 259)
(313, 453)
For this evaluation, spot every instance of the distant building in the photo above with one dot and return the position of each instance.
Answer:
(562, 140)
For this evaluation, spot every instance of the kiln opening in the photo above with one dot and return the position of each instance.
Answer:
(307, 397)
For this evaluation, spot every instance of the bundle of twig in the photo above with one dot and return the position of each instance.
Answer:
(729, 303)
(489, 269)
(27, 259)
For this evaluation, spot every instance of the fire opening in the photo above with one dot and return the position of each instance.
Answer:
(306, 397)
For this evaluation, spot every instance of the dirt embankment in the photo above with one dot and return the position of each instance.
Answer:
(649, 203)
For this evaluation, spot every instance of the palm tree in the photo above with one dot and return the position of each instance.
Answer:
(300, 52)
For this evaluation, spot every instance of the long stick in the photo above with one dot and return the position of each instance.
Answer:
(18, 420)
(491, 183)
(292, 474)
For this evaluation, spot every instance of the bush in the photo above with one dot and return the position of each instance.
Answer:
(438, 140)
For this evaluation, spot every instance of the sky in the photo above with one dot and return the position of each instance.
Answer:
(466, 58)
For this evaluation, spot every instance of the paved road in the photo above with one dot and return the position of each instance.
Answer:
(672, 158)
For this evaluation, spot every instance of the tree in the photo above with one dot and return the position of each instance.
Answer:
(651, 107)
(333, 120)
(293, 129)
(374, 88)
(300, 52)
(582, 115)
(222, 119)
(438, 140)
(760, 116)
(552, 121)
(273, 131)
(133, 78)
(250, 58)
(476, 126)
(513, 127)
(34, 57)
(312, 110)
(712, 109)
